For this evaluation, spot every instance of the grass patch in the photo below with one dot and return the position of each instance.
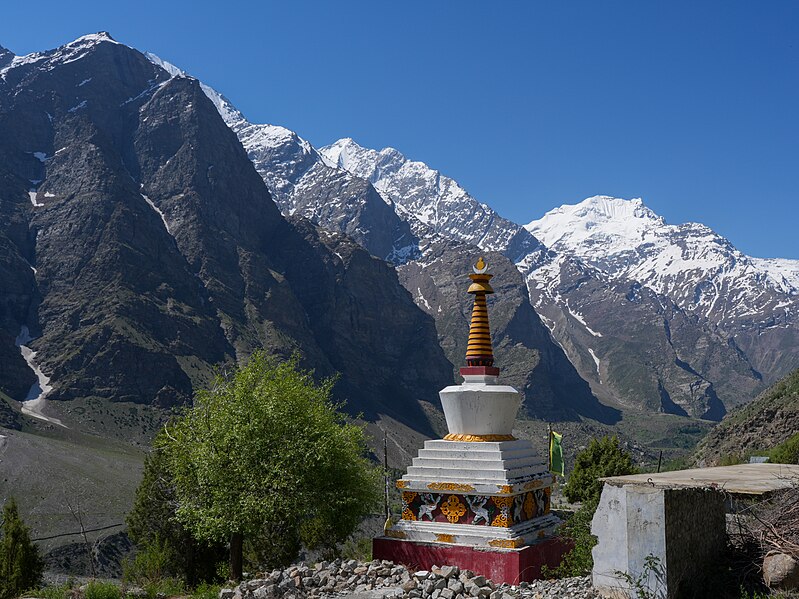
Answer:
(102, 590)
(61, 591)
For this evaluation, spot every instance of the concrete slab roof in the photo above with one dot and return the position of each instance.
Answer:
(741, 479)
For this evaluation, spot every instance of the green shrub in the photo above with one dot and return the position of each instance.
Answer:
(603, 457)
(357, 548)
(786, 452)
(164, 587)
(20, 564)
(97, 589)
(153, 562)
(730, 459)
(578, 561)
(206, 591)
(61, 591)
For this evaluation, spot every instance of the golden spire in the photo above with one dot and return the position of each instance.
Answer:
(479, 351)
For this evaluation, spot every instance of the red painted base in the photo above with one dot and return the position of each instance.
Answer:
(500, 565)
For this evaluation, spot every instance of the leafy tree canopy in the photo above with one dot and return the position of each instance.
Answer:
(266, 449)
(166, 548)
(603, 457)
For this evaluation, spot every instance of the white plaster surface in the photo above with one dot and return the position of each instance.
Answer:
(480, 407)
(484, 466)
(630, 526)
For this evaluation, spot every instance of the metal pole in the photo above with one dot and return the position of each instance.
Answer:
(549, 446)
(660, 457)
(385, 469)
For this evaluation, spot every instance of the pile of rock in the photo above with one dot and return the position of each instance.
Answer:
(383, 579)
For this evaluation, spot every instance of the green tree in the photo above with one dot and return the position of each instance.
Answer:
(603, 457)
(266, 450)
(20, 564)
(786, 452)
(166, 547)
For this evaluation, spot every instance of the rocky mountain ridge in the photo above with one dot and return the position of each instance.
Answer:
(692, 359)
(706, 317)
(303, 182)
(653, 316)
(142, 249)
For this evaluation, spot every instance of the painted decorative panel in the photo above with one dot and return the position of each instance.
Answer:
(481, 510)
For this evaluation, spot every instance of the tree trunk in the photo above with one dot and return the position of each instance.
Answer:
(236, 556)
(191, 575)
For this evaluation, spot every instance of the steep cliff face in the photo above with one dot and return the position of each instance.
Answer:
(771, 419)
(313, 184)
(141, 249)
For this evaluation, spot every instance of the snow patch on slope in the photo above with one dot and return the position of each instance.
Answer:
(782, 272)
(158, 211)
(34, 402)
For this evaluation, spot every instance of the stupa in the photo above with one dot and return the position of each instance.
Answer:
(479, 498)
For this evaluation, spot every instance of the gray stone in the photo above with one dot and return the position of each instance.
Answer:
(223, 593)
(479, 581)
(441, 583)
(781, 572)
(447, 593)
(409, 585)
(251, 585)
(444, 571)
(421, 574)
(456, 586)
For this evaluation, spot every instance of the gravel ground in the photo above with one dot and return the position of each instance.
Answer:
(385, 580)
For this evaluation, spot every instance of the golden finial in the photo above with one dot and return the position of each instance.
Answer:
(479, 351)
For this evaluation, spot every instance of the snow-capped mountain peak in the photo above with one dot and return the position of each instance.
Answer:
(374, 165)
(616, 222)
(691, 264)
(70, 52)
(434, 200)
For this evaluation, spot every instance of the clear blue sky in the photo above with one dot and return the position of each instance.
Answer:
(693, 106)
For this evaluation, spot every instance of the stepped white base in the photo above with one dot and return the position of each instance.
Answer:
(519, 535)
(477, 468)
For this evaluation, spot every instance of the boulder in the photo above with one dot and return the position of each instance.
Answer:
(781, 571)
